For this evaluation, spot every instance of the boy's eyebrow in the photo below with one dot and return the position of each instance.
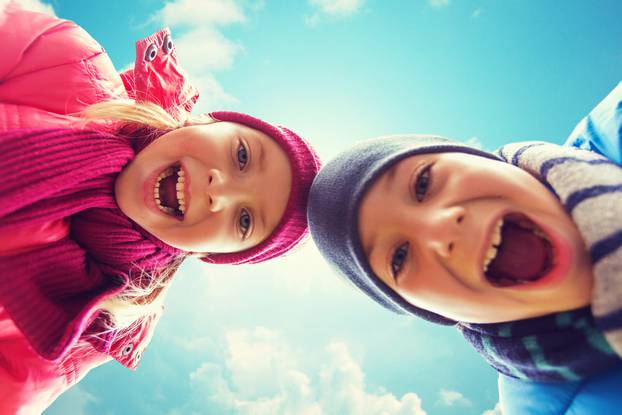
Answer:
(368, 248)
(389, 178)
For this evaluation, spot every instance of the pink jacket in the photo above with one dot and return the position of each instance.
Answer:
(50, 69)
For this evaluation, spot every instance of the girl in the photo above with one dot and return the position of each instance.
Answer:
(96, 218)
(519, 249)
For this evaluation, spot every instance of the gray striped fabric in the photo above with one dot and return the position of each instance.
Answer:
(590, 188)
(579, 343)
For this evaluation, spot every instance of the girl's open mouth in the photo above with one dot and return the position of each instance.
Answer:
(169, 191)
(520, 252)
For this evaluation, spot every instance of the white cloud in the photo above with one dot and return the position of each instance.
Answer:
(205, 49)
(337, 7)
(262, 374)
(332, 9)
(343, 389)
(438, 3)
(201, 12)
(34, 5)
(495, 411)
(297, 274)
(448, 397)
(257, 355)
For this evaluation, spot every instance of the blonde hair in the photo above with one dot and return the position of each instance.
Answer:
(145, 294)
(120, 114)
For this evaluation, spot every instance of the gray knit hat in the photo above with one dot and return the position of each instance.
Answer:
(334, 202)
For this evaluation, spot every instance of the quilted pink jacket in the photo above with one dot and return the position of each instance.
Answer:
(50, 69)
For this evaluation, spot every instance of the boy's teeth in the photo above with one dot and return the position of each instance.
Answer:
(491, 253)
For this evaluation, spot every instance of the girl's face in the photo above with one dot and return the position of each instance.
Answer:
(219, 187)
(473, 239)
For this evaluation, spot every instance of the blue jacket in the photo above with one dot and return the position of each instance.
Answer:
(601, 132)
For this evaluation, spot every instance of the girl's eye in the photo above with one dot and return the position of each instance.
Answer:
(244, 222)
(242, 156)
(398, 259)
(422, 183)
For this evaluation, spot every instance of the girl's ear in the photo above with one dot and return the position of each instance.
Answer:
(199, 119)
(198, 255)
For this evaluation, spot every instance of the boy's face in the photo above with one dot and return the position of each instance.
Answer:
(432, 223)
(220, 187)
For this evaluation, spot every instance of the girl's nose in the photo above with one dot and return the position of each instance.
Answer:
(443, 229)
(219, 190)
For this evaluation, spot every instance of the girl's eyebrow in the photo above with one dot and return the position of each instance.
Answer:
(262, 218)
(261, 169)
(262, 157)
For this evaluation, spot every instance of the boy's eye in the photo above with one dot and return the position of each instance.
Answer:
(242, 155)
(422, 183)
(244, 222)
(398, 259)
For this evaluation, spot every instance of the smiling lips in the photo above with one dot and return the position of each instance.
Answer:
(169, 191)
(520, 252)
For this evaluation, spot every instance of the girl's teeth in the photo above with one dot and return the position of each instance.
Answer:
(181, 196)
(179, 187)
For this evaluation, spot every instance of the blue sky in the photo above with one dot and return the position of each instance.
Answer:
(289, 337)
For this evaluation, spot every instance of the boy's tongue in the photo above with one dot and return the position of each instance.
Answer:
(522, 255)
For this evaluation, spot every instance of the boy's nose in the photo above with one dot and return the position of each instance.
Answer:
(442, 229)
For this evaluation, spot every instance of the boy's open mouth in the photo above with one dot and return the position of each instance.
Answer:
(169, 191)
(520, 252)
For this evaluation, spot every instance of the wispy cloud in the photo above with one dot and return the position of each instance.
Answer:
(474, 142)
(494, 411)
(297, 273)
(34, 5)
(238, 384)
(202, 12)
(438, 3)
(448, 397)
(201, 46)
(75, 402)
(477, 13)
(337, 7)
(332, 9)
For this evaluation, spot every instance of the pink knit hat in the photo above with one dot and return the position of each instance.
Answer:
(293, 227)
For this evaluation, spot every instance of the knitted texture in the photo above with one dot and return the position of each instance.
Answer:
(335, 198)
(292, 228)
(567, 346)
(51, 292)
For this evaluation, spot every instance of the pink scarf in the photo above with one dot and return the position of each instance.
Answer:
(52, 292)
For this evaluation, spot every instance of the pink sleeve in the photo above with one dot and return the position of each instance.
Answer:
(32, 236)
(29, 383)
(50, 68)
